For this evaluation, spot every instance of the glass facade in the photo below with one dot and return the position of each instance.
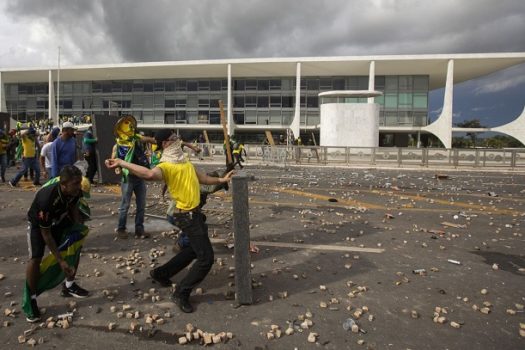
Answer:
(256, 101)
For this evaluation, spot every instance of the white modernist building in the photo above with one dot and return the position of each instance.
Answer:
(276, 94)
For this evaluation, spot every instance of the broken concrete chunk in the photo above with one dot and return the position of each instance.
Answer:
(454, 324)
(312, 337)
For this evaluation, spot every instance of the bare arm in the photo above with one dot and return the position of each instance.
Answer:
(50, 242)
(192, 146)
(147, 174)
(209, 180)
(148, 139)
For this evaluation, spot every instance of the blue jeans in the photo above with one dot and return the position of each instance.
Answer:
(28, 163)
(137, 186)
(3, 165)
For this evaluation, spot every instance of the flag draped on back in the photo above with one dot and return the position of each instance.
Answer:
(51, 275)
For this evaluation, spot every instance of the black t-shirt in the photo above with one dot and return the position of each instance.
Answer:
(50, 206)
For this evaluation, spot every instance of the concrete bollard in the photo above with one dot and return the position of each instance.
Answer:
(241, 229)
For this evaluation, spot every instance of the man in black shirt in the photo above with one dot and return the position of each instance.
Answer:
(54, 208)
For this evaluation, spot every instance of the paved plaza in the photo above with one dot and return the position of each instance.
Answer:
(335, 243)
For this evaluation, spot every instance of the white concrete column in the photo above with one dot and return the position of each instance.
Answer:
(372, 79)
(296, 122)
(3, 105)
(229, 104)
(442, 126)
(51, 110)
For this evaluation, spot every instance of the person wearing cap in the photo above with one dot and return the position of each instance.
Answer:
(4, 142)
(63, 149)
(29, 157)
(183, 184)
(45, 153)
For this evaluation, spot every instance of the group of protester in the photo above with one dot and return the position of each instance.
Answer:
(56, 217)
(43, 155)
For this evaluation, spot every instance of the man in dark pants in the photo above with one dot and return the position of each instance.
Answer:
(54, 208)
(90, 154)
(183, 184)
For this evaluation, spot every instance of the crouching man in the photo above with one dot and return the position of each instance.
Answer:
(55, 221)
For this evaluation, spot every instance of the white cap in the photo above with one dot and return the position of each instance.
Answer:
(68, 125)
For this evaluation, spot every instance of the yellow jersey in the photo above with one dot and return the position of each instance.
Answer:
(28, 143)
(183, 184)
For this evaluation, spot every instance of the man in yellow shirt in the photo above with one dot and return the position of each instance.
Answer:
(29, 157)
(183, 182)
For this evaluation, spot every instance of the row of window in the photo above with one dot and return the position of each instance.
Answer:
(389, 101)
(383, 83)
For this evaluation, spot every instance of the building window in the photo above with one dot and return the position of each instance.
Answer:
(192, 85)
(263, 85)
(238, 101)
(251, 84)
(262, 101)
(312, 102)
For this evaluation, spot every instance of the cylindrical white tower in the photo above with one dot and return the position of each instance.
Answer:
(346, 122)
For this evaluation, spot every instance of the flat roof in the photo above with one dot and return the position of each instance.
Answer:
(466, 67)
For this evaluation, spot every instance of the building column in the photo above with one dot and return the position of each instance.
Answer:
(296, 122)
(229, 107)
(372, 79)
(51, 110)
(3, 105)
(442, 126)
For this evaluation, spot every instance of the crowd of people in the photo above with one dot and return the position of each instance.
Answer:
(41, 154)
(59, 209)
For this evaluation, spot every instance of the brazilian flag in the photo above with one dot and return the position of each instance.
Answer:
(51, 275)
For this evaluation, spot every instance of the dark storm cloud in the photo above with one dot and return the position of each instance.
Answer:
(157, 30)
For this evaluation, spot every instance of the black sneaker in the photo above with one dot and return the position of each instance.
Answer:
(164, 282)
(74, 291)
(35, 312)
(182, 302)
(140, 233)
(122, 233)
(12, 184)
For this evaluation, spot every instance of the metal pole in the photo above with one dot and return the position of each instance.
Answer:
(241, 229)
(58, 88)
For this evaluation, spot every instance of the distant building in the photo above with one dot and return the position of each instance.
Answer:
(259, 94)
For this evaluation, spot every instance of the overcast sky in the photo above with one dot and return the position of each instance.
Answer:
(104, 31)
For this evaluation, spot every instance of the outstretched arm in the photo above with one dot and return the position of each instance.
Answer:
(210, 180)
(147, 174)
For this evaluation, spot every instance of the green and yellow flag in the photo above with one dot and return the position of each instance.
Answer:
(51, 275)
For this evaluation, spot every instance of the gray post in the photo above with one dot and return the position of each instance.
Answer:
(241, 229)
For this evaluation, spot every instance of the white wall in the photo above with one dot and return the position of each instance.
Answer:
(349, 124)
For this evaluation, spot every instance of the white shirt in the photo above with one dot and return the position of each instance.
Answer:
(46, 152)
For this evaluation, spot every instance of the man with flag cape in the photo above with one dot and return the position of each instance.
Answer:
(56, 220)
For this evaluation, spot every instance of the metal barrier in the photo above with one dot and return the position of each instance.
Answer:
(373, 156)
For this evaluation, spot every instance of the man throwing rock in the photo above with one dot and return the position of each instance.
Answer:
(183, 184)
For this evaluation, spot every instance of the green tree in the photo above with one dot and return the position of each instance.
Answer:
(474, 123)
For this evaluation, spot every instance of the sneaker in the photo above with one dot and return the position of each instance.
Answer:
(164, 282)
(11, 184)
(140, 233)
(35, 312)
(182, 302)
(74, 291)
(37, 184)
(122, 233)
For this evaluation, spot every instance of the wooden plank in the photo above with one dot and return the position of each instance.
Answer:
(205, 133)
(269, 137)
